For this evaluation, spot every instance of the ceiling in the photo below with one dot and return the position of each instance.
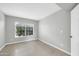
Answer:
(35, 11)
(67, 6)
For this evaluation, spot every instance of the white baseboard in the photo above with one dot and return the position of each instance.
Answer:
(2, 47)
(56, 47)
(19, 41)
(14, 43)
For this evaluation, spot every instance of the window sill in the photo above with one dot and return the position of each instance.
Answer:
(23, 36)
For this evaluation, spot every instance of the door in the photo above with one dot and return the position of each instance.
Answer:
(75, 31)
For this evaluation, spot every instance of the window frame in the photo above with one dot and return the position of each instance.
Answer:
(25, 25)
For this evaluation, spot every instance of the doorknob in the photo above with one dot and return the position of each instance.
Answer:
(70, 36)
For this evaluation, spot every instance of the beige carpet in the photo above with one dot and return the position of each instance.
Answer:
(32, 48)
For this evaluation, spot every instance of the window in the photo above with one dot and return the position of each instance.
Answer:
(29, 30)
(20, 30)
(23, 30)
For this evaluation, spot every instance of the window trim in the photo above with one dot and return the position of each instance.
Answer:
(30, 25)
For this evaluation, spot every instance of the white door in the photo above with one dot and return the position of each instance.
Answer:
(75, 31)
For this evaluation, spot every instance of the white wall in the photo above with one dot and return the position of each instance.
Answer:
(10, 28)
(2, 29)
(75, 31)
(55, 29)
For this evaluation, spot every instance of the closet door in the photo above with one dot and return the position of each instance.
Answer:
(75, 31)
